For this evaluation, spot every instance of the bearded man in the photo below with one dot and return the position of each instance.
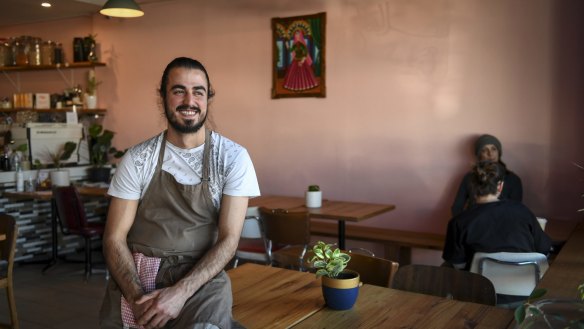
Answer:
(178, 202)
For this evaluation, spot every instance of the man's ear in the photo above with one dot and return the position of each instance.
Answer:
(500, 187)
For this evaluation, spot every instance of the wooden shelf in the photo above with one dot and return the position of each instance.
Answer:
(79, 110)
(75, 65)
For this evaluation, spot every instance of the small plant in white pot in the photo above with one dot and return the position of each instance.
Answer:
(340, 286)
(313, 197)
(91, 94)
(60, 176)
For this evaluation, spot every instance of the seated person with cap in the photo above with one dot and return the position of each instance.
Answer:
(487, 148)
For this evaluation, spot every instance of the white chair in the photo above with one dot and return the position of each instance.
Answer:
(512, 273)
(251, 244)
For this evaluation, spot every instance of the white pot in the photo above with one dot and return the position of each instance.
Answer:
(60, 177)
(91, 101)
(313, 199)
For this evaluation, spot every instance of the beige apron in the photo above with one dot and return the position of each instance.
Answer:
(177, 223)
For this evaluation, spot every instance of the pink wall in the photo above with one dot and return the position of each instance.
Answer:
(410, 84)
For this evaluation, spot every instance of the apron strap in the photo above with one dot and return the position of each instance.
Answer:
(161, 153)
(206, 155)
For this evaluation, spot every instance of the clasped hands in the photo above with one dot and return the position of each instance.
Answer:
(155, 309)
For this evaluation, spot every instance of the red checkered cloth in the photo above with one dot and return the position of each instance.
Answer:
(147, 268)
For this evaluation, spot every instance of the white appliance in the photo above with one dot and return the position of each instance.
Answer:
(44, 139)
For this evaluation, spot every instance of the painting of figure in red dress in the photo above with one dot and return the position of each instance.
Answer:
(298, 65)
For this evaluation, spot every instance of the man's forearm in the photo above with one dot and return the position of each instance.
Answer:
(122, 268)
(209, 266)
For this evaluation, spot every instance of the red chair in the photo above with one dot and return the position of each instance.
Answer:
(73, 221)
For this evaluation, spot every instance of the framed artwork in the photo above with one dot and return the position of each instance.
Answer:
(298, 65)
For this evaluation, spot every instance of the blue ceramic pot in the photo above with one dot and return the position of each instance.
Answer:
(341, 293)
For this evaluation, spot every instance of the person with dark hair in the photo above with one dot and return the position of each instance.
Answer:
(493, 225)
(487, 147)
(178, 202)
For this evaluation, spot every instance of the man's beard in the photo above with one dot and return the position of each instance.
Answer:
(189, 126)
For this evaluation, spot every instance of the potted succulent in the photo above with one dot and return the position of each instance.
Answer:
(313, 197)
(91, 90)
(100, 149)
(340, 286)
(60, 176)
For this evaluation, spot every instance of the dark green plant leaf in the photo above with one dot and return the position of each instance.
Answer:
(537, 293)
(520, 314)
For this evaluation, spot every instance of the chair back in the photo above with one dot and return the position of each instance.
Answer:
(8, 246)
(70, 209)
(373, 270)
(286, 228)
(512, 273)
(445, 282)
(252, 225)
(7, 249)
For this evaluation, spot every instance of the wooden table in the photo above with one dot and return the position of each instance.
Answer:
(379, 307)
(566, 272)
(267, 297)
(340, 211)
(48, 196)
(271, 297)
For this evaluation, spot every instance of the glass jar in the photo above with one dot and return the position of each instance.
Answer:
(20, 51)
(34, 52)
(78, 55)
(48, 53)
(5, 53)
(59, 57)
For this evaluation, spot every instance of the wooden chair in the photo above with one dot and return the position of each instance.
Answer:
(7, 248)
(73, 221)
(286, 233)
(373, 270)
(445, 282)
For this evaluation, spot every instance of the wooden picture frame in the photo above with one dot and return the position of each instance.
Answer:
(298, 65)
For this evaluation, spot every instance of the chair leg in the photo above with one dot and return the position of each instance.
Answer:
(87, 257)
(12, 306)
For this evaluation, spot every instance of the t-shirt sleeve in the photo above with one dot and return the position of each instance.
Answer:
(542, 242)
(125, 183)
(241, 180)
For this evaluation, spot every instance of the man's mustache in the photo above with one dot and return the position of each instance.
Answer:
(188, 107)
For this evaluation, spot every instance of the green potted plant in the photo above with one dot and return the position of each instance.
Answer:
(91, 90)
(340, 286)
(60, 176)
(313, 197)
(100, 149)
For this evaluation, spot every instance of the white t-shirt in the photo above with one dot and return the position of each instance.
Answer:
(232, 172)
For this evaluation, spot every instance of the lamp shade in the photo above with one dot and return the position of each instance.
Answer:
(121, 8)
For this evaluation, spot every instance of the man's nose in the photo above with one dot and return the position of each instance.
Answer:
(189, 99)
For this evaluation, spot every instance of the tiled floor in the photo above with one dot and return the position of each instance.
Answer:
(60, 298)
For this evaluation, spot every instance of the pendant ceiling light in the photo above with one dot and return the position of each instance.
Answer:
(121, 8)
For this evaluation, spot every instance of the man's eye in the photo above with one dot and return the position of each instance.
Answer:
(178, 92)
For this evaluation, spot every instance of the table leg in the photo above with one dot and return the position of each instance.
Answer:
(342, 234)
(54, 239)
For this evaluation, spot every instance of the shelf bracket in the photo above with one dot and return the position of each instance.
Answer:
(70, 82)
(16, 84)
